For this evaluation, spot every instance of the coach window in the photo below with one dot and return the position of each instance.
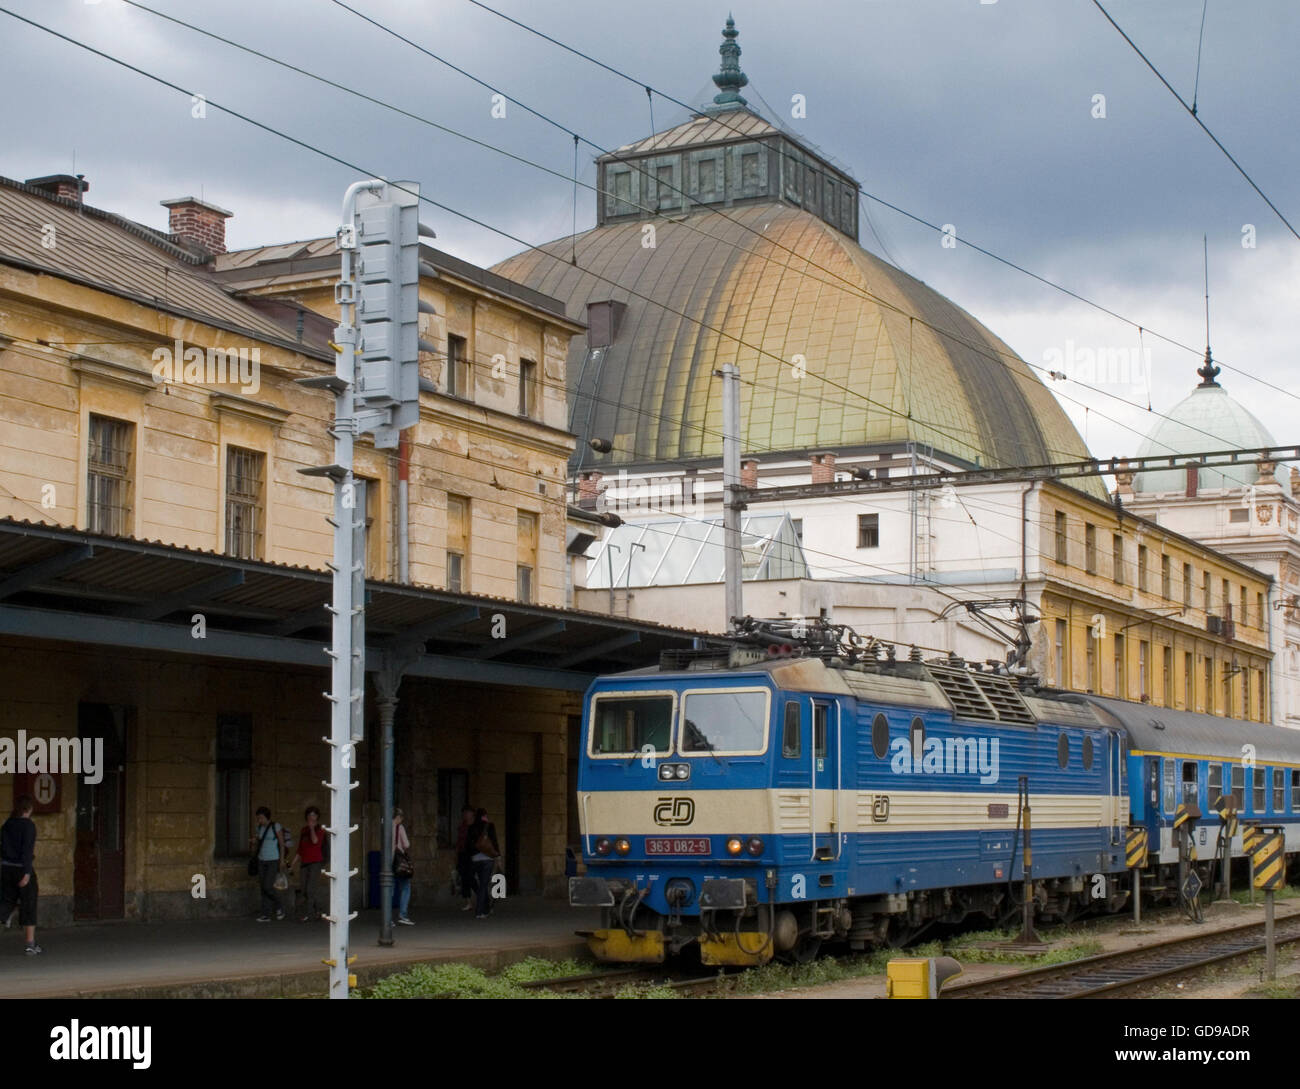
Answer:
(791, 739)
(1063, 750)
(1279, 791)
(1190, 793)
(1259, 779)
(880, 736)
(732, 721)
(624, 725)
(1214, 784)
(1238, 788)
(1169, 786)
(1295, 792)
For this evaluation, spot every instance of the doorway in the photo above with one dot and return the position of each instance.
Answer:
(99, 862)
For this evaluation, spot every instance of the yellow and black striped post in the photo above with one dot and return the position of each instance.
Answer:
(1135, 857)
(1250, 835)
(1270, 875)
(1225, 805)
(1185, 818)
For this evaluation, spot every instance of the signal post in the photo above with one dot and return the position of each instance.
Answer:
(376, 390)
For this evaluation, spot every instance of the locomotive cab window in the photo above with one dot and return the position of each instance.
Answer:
(791, 739)
(624, 725)
(731, 721)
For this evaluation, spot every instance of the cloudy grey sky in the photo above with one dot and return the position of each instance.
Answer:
(963, 112)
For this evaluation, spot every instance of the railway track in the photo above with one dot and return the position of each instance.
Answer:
(1123, 971)
(606, 984)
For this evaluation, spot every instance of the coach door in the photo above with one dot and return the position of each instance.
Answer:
(99, 864)
(826, 780)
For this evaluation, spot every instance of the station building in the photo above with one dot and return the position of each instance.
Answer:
(163, 581)
(728, 238)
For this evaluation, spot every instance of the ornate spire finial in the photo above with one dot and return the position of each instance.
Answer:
(1208, 371)
(731, 79)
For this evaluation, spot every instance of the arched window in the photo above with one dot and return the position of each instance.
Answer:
(880, 736)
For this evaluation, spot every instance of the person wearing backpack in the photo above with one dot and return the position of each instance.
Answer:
(268, 844)
(482, 837)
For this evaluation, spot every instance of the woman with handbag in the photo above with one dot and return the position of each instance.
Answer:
(487, 853)
(266, 863)
(402, 868)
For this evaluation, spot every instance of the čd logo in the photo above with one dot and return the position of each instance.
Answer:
(674, 811)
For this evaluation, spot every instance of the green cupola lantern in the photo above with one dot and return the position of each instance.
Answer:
(731, 79)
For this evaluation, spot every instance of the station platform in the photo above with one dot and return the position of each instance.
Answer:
(242, 958)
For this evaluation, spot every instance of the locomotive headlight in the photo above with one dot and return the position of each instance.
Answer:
(666, 771)
(603, 845)
(622, 845)
(755, 846)
(683, 771)
(735, 845)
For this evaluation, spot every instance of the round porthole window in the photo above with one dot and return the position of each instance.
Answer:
(880, 737)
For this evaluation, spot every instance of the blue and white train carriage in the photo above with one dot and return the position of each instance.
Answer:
(757, 803)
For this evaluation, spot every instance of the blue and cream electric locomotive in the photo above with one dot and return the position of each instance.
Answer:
(759, 800)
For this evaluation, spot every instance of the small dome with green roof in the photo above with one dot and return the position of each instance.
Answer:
(1207, 420)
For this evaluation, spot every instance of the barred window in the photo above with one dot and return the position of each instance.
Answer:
(108, 475)
(244, 478)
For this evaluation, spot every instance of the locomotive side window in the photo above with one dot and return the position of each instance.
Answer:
(1169, 787)
(1239, 788)
(880, 736)
(1087, 753)
(916, 735)
(791, 739)
(726, 721)
(624, 725)
(1063, 750)
(819, 729)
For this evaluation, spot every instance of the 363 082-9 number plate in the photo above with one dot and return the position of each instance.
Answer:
(676, 845)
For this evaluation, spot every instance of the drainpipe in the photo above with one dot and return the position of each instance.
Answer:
(403, 521)
(1268, 615)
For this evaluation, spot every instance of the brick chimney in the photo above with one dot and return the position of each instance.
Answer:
(197, 223)
(749, 474)
(59, 185)
(1193, 479)
(823, 468)
(588, 490)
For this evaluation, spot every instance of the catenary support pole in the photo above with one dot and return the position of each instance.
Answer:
(730, 482)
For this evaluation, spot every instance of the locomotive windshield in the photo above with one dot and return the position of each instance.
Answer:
(732, 721)
(624, 725)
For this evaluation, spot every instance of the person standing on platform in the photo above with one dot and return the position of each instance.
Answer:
(464, 857)
(482, 837)
(268, 843)
(402, 869)
(17, 872)
(311, 853)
